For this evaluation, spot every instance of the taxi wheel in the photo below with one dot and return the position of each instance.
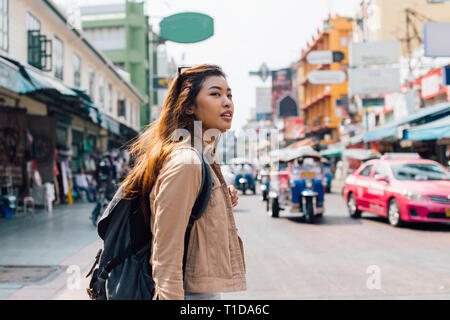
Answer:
(394, 214)
(352, 207)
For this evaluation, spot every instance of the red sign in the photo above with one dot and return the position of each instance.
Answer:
(294, 128)
(431, 84)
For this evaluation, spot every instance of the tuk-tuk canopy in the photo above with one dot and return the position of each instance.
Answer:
(361, 154)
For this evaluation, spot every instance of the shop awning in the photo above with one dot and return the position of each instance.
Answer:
(434, 130)
(383, 132)
(333, 152)
(43, 82)
(391, 131)
(11, 78)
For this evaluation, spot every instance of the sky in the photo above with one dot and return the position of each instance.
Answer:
(247, 33)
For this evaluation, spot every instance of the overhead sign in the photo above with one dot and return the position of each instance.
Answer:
(263, 100)
(187, 27)
(433, 35)
(263, 72)
(376, 81)
(324, 57)
(374, 53)
(326, 76)
(161, 82)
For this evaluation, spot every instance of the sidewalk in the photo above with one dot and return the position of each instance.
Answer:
(46, 256)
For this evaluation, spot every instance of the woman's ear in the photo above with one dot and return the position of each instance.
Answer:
(190, 110)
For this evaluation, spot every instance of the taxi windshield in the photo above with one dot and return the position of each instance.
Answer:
(419, 171)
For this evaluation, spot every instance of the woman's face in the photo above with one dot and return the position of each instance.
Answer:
(214, 104)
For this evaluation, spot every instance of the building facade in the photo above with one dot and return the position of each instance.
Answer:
(62, 101)
(320, 103)
(121, 33)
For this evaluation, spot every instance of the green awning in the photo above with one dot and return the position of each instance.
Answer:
(333, 152)
(11, 78)
(43, 82)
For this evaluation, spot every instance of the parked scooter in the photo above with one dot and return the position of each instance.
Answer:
(105, 194)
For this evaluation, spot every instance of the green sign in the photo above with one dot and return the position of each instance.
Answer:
(372, 102)
(187, 27)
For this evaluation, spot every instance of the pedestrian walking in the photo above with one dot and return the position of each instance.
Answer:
(164, 173)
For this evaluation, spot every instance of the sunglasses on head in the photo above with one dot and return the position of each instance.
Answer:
(180, 69)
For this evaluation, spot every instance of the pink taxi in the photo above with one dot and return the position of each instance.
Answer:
(400, 187)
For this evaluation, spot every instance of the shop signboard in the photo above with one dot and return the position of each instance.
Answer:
(187, 27)
(374, 53)
(324, 57)
(446, 75)
(161, 82)
(372, 102)
(294, 128)
(431, 84)
(434, 39)
(326, 76)
(373, 81)
(281, 87)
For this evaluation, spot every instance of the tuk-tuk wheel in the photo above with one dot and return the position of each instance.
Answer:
(309, 215)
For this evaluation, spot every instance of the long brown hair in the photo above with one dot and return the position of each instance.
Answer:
(151, 148)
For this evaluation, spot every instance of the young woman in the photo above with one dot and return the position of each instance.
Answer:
(165, 173)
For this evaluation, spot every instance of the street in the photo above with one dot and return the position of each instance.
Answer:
(336, 258)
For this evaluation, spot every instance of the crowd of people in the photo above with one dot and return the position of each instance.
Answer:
(109, 172)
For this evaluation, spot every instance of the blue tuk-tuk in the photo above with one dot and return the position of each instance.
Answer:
(307, 184)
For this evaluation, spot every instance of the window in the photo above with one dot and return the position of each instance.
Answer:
(33, 23)
(58, 58)
(101, 91)
(419, 171)
(4, 25)
(381, 170)
(366, 171)
(39, 47)
(76, 62)
(91, 74)
(110, 95)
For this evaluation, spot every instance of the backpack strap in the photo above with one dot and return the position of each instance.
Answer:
(200, 203)
(199, 207)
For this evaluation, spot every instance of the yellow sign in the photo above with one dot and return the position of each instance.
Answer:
(307, 175)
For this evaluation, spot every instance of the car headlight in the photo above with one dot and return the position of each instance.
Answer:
(413, 196)
(309, 184)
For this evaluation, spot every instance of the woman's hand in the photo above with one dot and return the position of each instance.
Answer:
(233, 194)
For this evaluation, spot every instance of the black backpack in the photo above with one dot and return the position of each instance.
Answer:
(124, 271)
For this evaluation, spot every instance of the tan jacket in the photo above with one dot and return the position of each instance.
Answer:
(215, 257)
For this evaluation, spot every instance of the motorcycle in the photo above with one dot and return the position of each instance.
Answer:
(245, 181)
(105, 195)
